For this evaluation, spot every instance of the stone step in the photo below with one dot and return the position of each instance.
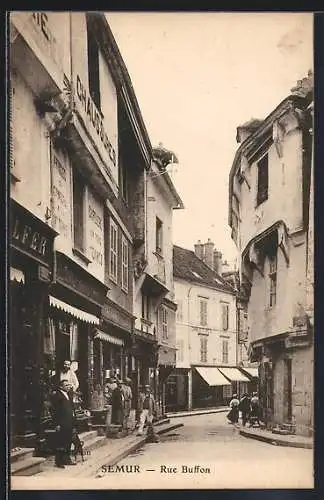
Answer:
(27, 466)
(94, 443)
(161, 422)
(21, 454)
(87, 435)
(167, 428)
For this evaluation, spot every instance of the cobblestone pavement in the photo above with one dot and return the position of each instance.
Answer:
(209, 453)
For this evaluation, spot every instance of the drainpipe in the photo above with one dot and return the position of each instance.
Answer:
(189, 350)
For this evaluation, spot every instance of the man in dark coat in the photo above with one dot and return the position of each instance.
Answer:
(244, 408)
(64, 421)
(117, 401)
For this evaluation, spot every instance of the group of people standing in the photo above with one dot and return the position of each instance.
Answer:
(118, 397)
(249, 407)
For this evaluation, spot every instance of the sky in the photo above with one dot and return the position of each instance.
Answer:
(197, 76)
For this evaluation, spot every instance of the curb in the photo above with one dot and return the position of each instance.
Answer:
(198, 412)
(275, 440)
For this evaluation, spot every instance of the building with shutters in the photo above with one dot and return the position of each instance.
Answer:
(270, 213)
(206, 332)
(79, 158)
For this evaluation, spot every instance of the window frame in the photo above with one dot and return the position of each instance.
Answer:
(164, 322)
(225, 351)
(203, 349)
(158, 235)
(124, 264)
(225, 325)
(272, 274)
(113, 276)
(202, 301)
(262, 165)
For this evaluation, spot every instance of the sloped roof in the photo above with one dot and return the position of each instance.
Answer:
(187, 266)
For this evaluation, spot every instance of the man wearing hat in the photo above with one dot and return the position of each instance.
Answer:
(147, 409)
(128, 396)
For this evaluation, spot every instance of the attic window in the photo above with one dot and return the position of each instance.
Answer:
(196, 274)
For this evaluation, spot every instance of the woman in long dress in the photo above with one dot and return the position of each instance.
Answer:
(233, 414)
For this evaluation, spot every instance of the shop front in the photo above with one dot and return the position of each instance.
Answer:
(75, 307)
(31, 272)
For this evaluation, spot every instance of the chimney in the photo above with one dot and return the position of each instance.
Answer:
(218, 262)
(199, 250)
(209, 253)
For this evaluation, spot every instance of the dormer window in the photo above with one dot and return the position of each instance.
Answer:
(263, 179)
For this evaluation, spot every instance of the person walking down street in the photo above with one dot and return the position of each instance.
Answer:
(233, 414)
(147, 409)
(128, 396)
(244, 408)
(255, 414)
(64, 421)
(117, 401)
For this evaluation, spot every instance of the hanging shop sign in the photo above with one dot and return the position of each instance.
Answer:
(30, 235)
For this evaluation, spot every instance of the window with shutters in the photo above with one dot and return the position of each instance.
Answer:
(113, 250)
(179, 311)
(79, 189)
(124, 264)
(203, 349)
(203, 303)
(225, 351)
(225, 316)
(263, 179)
(272, 279)
(180, 349)
(164, 322)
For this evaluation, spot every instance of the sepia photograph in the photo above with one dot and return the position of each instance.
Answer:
(161, 243)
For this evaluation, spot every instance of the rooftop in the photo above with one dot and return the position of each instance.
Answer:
(187, 266)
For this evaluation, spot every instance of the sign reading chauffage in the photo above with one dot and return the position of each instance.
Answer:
(93, 120)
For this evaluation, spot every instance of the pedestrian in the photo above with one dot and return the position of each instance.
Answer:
(64, 421)
(233, 414)
(147, 408)
(255, 413)
(117, 401)
(244, 408)
(110, 386)
(128, 396)
(68, 374)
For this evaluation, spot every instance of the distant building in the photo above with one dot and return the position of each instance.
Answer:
(270, 213)
(206, 330)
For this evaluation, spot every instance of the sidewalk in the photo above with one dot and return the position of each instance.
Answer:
(199, 411)
(109, 454)
(277, 439)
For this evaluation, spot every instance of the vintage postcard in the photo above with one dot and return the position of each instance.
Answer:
(161, 250)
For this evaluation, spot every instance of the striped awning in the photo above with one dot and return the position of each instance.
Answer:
(106, 337)
(212, 375)
(253, 371)
(233, 374)
(74, 311)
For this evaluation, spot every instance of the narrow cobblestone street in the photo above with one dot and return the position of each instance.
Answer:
(233, 461)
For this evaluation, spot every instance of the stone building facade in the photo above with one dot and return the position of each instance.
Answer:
(79, 155)
(269, 202)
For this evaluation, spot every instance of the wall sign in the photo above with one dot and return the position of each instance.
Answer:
(95, 237)
(61, 200)
(31, 235)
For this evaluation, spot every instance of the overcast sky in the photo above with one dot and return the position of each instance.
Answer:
(197, 76)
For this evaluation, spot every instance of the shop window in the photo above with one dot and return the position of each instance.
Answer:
(113, 250)
(263, 179)
(203, 304)
(225, 316)
(225, 351)
(164, 322)
(124, 264)
(159, 236)
(78, 211)
(93, 68)
(272, 280)
(203, 349)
